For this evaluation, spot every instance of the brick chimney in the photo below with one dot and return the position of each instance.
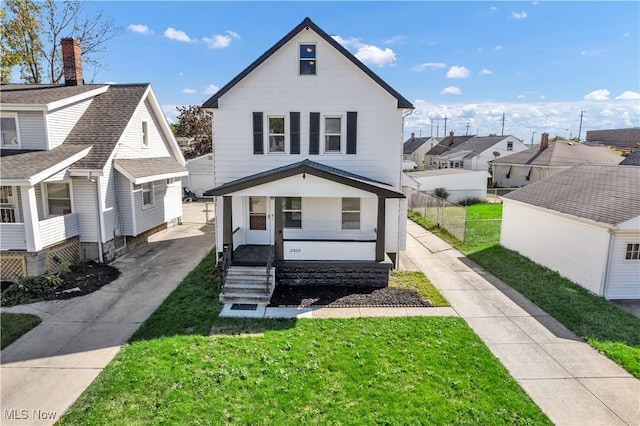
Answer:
(544, 141)
(413, 136)
(72, 61)
(451, 138)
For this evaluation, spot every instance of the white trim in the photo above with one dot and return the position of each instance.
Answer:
(133, 208)
(76, 98)
(16, 120)
(323, 132)
(12, 204)
(146, 179)
(359, 211)
(152, 191)
(285, 134)
(144, 130)
(45, 197)
(564, 215)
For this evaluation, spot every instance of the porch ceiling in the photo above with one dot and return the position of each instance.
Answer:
(308, 167)
(31, 168)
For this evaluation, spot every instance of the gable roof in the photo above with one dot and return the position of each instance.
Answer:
(562, 153)
(311, 167)
(42, 94)
(445, 145)
(479, 144)
(212, 102)
(33, 167)
(412, 144)
(104, 121)
(607, 194)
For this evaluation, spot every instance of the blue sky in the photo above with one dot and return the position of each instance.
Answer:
(539, 63)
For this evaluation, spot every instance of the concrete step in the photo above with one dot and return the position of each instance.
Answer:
(244, 298)
(245, 286)
(248, 279)
(247, 270)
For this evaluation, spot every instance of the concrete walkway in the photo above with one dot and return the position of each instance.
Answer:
(46, 370)
(568, 379)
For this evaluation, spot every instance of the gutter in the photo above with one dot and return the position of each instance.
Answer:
(99, 213)
(607, 265)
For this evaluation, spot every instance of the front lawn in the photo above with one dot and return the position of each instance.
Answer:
(415, 370)
(610, 329)
(12, 326)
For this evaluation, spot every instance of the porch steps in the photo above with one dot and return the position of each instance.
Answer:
(247, 285)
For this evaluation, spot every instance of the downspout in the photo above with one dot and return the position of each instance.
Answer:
(100, 253)
(404, 115)
(607, 265)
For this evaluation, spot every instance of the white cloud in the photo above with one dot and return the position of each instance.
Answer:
(428, 66)
(396, 40)
(368, 53)
(626, 34)
(458, 72)
(485, 72)
(189, 91)
(493, 9)
(219, 41)
(521, 15)
(173, 34)
(451, 90)
(521, 96)
(592, 52)
(598, 95)
(211, 89)
(498, 47)
(629, 95)
(140, 29)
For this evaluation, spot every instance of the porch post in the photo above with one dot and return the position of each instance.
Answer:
(30, 218)
(380, 229)
(279, 249)
(227, 223)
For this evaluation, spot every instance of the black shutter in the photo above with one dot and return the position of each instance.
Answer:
(258, 143)
(352, 132)
(314, 133)
(294, 132)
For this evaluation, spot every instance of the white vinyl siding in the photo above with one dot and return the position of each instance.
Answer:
(62, 120)
(123, 190)
(32, 130)
(84, 195)
(131, 145)
(57, 229)
(576, 250)
(148, 217)
(624, 275)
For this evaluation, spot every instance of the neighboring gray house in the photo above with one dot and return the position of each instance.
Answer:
(87, 169)
(415, 148)
(474, 153)
(432, 158)
(537, 163)
(583, 223)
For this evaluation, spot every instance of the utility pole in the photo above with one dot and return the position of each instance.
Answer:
(437, 128)
(431, 127)
(445, 126)
(532, 135)
(502, 132)
(467, 132)
(580, 128)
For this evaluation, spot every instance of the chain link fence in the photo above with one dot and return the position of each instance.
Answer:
(441, 212)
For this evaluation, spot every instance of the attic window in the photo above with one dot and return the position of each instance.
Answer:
(510, 146)
(307, 59)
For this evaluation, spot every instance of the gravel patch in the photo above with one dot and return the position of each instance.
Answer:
(345, 297)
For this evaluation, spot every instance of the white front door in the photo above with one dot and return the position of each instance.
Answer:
(258, 221)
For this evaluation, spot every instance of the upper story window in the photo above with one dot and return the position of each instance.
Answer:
(351, 213)
(276, 134)
(633, 252)
(7, 204)
(145, 134)
(58, 198)
(147, 194)
(509, 146)
(292, 211)
(332, 134)
(307, 59)
(10, 130)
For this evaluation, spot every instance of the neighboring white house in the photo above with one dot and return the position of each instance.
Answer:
(308, 160)
(460, 184)
(537, 163)
(583, 223)
(200, 176)
(415, 148)
(474, 153)
(86, 170)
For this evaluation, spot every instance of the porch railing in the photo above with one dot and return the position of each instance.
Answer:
(226, 262)
(269, 262)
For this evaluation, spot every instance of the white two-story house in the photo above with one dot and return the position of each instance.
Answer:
(86, 170)
(308, 160)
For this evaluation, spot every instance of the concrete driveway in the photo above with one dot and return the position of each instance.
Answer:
(47, 369)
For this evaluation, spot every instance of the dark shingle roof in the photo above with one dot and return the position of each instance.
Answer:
(307, 23)
(478, 144)
(632, 159)
(104, 121)
(562, 153)
(445, 144)
(312, 168)
(412, 144)
(607, 194)
(26, 165)
(41, 94)
(144, 167)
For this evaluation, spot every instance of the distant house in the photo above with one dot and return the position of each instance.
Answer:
(584, 223)
(200, 175)
(623, 140)
(632, 159)
(415, 148)
(308, 166)
(474, 153)
(87, 170)
(537, 163)
(460, 184)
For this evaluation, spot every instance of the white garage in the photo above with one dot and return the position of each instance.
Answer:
(200, 176)
(583, 223)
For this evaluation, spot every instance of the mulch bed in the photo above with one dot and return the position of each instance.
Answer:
(345, 296)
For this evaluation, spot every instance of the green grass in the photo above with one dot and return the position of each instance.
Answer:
(338, 371)
(608, 328)
(12, 326)
(415, 370)
(416, 280)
